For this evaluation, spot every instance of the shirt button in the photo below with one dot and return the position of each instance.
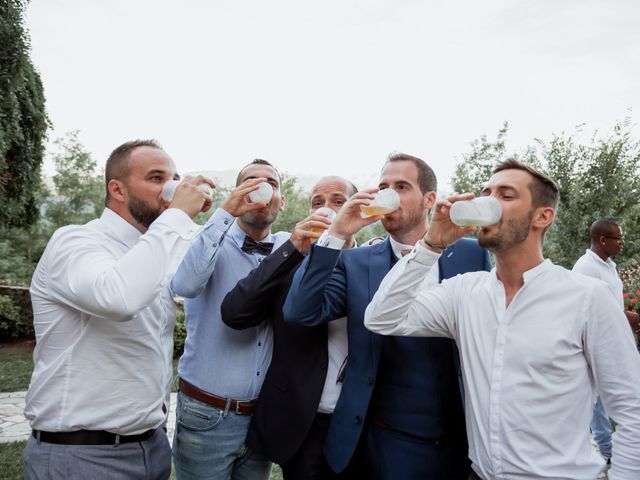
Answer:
(259, 344)
(259, 260)
(357, 419)
(258, 374)
(226, 222)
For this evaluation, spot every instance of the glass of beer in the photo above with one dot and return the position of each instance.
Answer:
(384, 202)
(327, 212)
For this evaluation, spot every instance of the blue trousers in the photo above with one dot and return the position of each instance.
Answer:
(601, 429)
(208, 443)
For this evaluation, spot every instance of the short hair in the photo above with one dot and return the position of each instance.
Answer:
(427, 180)
(603, 226)
(351, 188)
(117, 165)
(257, 161)
(544, 191)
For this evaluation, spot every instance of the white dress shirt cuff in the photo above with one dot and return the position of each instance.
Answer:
(423, 255)
(329, 241)
(179, 221)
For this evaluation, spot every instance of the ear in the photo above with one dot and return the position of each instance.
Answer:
(428, 200)
(543, 217)
(281, 203)
(117, 190)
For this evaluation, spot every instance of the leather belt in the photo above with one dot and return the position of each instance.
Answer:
(236, 406)
(89, 437)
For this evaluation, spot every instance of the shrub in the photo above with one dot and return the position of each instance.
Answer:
(179, 333)
(12, 324)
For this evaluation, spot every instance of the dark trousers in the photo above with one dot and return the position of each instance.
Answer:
(392, 454)
(309, 462)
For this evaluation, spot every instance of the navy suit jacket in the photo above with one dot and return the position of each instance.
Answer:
(331, 284)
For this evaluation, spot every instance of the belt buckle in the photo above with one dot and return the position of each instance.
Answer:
(237, 409)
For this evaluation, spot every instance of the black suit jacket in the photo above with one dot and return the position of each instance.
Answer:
(291, 392)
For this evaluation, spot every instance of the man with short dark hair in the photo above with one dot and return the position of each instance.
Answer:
(104, 318)
(302, 383)
(221, 370)
(536, 340)
(399, 414)
(606, 242)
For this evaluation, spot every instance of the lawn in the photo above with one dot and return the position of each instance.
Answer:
(16, 365)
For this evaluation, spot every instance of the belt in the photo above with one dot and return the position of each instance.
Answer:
(89, 437)
(237, 406)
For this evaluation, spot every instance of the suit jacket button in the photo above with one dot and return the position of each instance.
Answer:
(285, 254)
(358, 419)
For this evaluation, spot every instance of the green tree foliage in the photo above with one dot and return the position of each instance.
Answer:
(600, 179)
(597, 180)
(23, 120)
(80, 189)
(296, 205)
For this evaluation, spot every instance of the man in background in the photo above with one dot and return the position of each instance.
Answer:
(606, 241)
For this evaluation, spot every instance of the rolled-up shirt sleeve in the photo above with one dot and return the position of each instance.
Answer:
(402, 306)
(85, 275)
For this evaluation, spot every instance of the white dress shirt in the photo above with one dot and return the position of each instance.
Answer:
(592, 265)
(104, 318)
(530, 369)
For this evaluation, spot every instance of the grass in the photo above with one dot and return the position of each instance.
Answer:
(11, 462)
(15, 370)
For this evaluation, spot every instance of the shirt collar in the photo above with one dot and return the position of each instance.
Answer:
(118, 226)
(397, 247)
(536, 271)
(237, 235)
(597, 257)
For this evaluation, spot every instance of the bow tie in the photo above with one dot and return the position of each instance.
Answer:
(250, 245)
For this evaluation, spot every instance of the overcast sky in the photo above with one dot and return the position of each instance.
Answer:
(332, 86)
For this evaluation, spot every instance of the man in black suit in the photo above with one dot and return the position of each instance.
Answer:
(302, 386)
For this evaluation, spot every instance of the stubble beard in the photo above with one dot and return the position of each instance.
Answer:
(513, 233)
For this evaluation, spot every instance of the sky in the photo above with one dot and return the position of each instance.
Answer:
(332, 87)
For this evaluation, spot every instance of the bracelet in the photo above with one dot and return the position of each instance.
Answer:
(434, 246)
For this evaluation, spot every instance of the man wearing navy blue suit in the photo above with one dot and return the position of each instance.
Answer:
(400, 411)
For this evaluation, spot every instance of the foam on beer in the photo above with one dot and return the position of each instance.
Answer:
(384, 202)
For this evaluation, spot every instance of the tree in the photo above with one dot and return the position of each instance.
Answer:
(80, 190)
(296, 206)
(600, 179)
(23, 120)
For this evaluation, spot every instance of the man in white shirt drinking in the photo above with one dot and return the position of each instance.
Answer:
(104, 318)
(535, 340)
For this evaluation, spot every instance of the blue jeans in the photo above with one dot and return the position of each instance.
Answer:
(208, 443)
(601, 429)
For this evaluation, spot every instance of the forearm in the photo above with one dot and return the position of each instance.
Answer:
(199, 262)
(251, 301)
(401, 306)
(318, 291)
(86, 276)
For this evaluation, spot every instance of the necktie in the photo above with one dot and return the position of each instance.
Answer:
(250, 245)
